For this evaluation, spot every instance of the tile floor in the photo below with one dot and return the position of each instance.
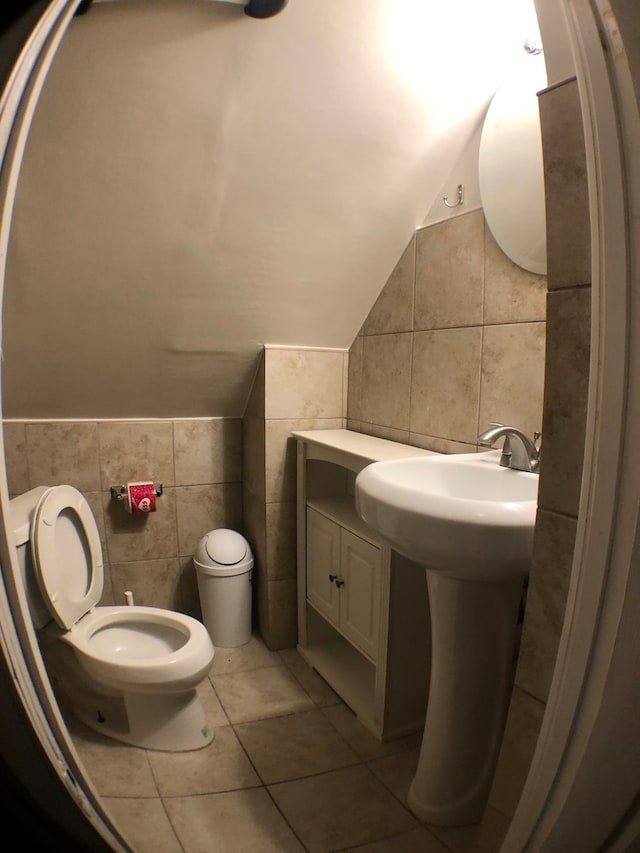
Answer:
(290, 769)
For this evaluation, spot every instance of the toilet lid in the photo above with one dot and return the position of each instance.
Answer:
(67, 555)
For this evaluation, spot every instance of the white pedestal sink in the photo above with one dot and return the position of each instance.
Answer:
(470, 523)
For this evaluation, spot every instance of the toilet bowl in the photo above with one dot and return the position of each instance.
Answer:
(128, 672)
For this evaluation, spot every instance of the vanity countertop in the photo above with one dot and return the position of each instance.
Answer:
(358, 446)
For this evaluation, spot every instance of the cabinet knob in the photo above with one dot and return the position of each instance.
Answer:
(339, 584)
(333, 578)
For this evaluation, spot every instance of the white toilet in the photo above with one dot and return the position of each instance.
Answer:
(128, 672)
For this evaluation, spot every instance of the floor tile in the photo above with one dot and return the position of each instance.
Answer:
(297, 745)
(260, 693)
(396, 771)
(252, 655)
(418, 840)
(144, 824)
(362, 741)
(220, 766)
(314, 684)
(235, 822)
(116, 770)
(484, 837)
(340, 809)
(213, 710)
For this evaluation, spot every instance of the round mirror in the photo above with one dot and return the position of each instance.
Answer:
(510, 168)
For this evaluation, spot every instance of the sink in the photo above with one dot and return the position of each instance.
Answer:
(469, 523)
(462, 514)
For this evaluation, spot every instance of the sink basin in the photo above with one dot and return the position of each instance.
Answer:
(461, 514)
(469, 523)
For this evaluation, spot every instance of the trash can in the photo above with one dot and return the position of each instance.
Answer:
(224, 563)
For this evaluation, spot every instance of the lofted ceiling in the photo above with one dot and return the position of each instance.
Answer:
(198, 184)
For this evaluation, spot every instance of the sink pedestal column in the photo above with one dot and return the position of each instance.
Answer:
(473, 626)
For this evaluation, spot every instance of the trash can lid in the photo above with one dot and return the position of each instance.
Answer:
(226, 547)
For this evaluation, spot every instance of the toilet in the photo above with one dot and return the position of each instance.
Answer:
(128, 672)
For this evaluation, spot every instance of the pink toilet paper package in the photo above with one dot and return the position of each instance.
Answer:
(141, 497)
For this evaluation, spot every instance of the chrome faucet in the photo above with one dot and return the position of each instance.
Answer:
(518, 451)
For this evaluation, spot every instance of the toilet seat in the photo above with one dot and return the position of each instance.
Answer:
(67, 555)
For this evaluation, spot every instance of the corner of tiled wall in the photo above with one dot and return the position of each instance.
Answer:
(563, 431)
(295, 389)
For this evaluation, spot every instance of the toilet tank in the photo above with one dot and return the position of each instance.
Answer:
(21, 511)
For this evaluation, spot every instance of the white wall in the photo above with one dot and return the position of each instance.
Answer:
(198, 184)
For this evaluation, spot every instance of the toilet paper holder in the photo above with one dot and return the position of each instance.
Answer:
(120, 492)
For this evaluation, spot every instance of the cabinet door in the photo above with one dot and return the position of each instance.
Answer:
(323, 561)
(360, 596)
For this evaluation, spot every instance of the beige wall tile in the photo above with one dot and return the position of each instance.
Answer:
(142, 536)
(345, 383)
(401, 435)
(386, 377)
(303, 384)
(188, 594)
(280, 467)
(131, 451)
(566, 190)
(60, 452)
(440, 445)
(512, 384)
(546, 601)
(281, 540)
(208, 451)
(511, 294)
(521, 734)
(445, 383)
(15, 457)
(393, 310)
(200, 509)
(354, 392)
(154, 583)
(94, 499)
(566, 393)
(254, 521)
(282, 632)
(253, 456)
(449, 273)
(255, 403)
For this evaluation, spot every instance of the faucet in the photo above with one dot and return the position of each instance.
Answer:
(518, 451)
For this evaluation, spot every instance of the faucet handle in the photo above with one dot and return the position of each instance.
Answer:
(536, 439)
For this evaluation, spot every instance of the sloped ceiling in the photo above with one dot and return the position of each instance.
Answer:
(198, 183)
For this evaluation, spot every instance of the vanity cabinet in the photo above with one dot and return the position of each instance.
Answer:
(363, 620)
(344, 580)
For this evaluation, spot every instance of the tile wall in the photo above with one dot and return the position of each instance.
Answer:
(563, 429)
(199, 463)
(455, 340)
(294, 389)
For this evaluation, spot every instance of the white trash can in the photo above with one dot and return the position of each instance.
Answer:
(224, 563)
